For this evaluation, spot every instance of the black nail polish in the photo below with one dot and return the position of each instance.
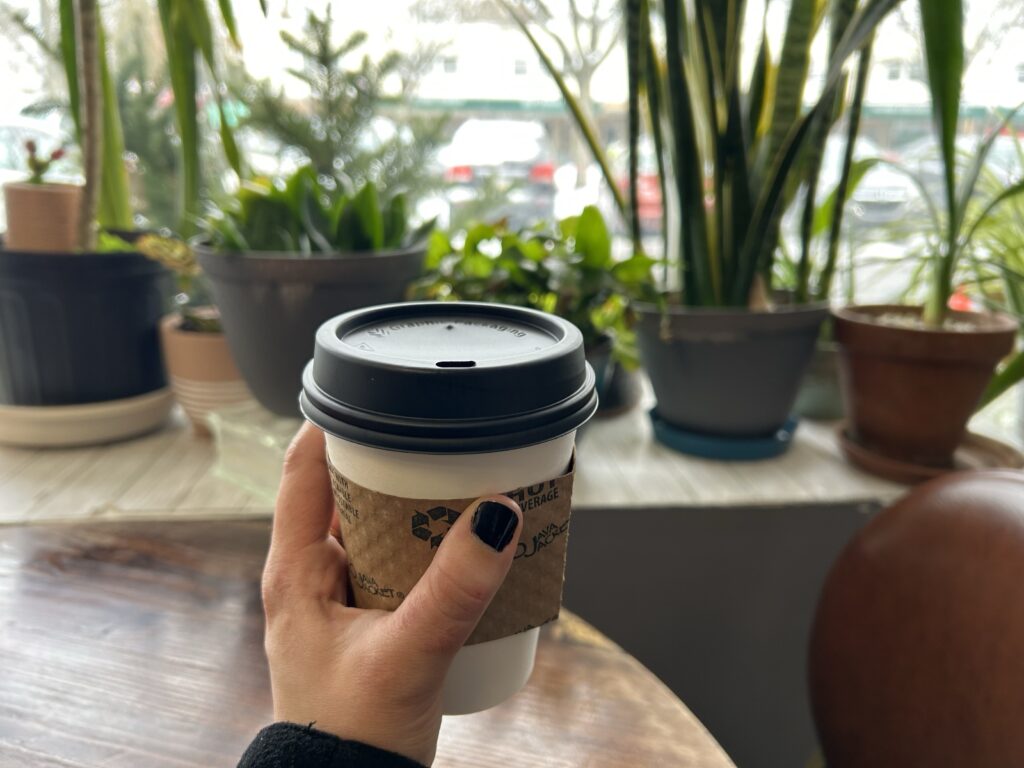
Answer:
(494, 524)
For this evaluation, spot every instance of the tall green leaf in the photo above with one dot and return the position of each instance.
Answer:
(181, 63)
(1008, 376)
(942, 28)
(69, 53)
(636, 62)
(115, 208)
(114, 205)
(839, 18)
(188, 37)
(582, 121)
(793, 68)
(846, 176)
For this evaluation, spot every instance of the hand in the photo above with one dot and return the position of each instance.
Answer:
(367, 675)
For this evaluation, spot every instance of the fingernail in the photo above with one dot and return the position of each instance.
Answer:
(494, 524)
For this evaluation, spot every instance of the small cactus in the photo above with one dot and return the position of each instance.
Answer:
(38, 166)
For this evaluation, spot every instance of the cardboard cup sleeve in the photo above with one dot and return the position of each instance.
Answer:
(390, 542)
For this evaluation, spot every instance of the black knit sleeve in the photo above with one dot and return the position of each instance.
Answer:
(288, 745)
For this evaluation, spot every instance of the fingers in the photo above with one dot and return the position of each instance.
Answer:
(305, 561)
(304, 508)
(444, 607)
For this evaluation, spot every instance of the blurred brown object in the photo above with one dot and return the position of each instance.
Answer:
(917, 650)
(42, 217)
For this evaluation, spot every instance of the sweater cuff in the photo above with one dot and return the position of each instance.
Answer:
(289, 745)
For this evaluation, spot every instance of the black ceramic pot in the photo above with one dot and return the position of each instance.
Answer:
(272, 303)
(727, 372)
(79, 327)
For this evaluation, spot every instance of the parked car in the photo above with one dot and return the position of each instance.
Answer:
(509, 160)
(884, 194)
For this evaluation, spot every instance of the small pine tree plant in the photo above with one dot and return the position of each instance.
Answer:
(335, 131)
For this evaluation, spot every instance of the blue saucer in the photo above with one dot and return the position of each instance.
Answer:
(721, 447)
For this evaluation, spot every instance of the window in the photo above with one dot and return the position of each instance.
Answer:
(520, 67)
(449, 64)
(894, 71)
(1020, 73)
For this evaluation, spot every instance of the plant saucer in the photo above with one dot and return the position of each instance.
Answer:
(975, 452)
(723, 447)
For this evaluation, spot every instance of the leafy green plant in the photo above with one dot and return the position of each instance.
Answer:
(309, 215)
(193, 300)
(568, 271)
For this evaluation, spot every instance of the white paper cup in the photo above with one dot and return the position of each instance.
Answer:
(485, 674)
(452, 400)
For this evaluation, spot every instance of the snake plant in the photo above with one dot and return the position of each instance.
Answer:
(732, 151)
(738, 149)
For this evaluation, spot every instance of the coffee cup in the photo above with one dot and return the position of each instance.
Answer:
(426, 405)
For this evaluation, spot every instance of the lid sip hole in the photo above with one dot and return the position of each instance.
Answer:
(456, 364)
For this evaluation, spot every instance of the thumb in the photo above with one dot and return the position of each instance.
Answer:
(446, 604)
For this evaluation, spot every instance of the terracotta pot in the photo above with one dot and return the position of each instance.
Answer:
(42, 217)
(202, 372)
(910, 391)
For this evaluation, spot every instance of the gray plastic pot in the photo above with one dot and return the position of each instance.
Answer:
(272, 303)
(727, 372)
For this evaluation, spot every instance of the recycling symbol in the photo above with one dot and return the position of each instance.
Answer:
(433, 524)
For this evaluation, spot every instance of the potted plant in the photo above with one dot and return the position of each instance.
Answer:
(913, 375)
(724, 352)
(41, 215)
(202, 372)
(80, 322)
(282, 259)
(567, 270)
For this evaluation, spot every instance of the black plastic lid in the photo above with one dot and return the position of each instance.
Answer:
(448, 377)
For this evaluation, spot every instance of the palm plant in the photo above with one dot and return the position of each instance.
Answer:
(997, 260)
(960, 219)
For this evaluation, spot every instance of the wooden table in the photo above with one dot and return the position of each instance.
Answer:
(140, 644)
